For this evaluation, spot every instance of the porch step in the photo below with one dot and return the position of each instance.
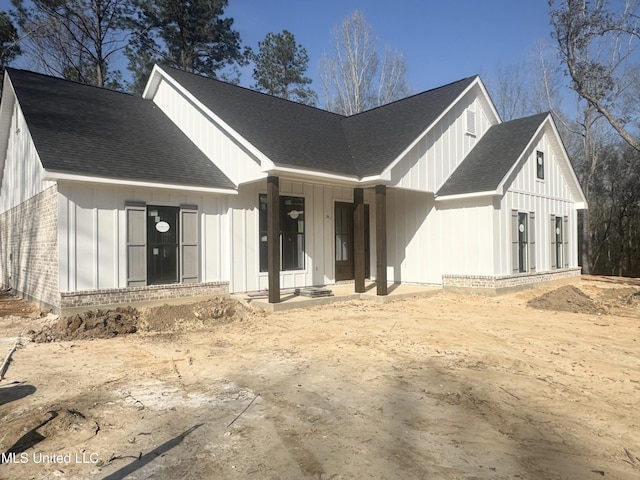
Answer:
(314, 292)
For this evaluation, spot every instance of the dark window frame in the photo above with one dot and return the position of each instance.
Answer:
(539, 165)
(523, 242)
(292, 233)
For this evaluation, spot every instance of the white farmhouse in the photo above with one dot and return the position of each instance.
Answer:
(201, 187)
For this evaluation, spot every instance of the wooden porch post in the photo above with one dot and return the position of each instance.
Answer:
(381, 239)
(273, 238)
(358, 240)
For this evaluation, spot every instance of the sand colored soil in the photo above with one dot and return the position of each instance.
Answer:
(121, 321)
(540, 384)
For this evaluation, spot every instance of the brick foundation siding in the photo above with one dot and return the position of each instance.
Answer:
(29, 248)
(489, 284)
(114, 296)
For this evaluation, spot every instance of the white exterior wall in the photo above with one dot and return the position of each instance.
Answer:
(466, 237)
(23, 174)
(413, 238)
(234, 161)
(527, 193)
(92, 233)
(432, 160)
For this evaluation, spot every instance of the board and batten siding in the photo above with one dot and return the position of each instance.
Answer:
(234, 161)
(92, 232)
(413, 242)
(319, 267)
(23, 175)
(438, 153)
(466, 236)
(544, 197)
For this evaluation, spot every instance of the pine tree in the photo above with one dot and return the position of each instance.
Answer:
(280, 65)
(190, 35)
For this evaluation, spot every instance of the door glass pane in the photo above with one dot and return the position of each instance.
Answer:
(559, 259)
(162, 244)
(262, 231)
(292, 217)
(522, 242)
(342, 234)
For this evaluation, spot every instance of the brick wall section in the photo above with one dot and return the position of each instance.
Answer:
(507, 282)
(29, 248)
(112, 296)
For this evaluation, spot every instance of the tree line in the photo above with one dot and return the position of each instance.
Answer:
(597, 45)
(82, 40)
(594, 53)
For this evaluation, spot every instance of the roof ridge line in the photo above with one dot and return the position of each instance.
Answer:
(269, 95)
(67, 80)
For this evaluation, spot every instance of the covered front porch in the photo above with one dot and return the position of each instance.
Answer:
(341, 292)
(351, 240)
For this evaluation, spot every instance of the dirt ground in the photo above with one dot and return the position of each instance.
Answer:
(540, 384)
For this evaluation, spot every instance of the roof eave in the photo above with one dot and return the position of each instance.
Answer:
(71, 177)
(323, 177)
(152, 85)
(6, 111)
(466, 196)
(582, 199)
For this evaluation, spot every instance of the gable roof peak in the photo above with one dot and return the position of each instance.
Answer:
(493, 157)
(465, 80)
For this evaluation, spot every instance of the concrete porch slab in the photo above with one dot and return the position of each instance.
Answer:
(343, 292)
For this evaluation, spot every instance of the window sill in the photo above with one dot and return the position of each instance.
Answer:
(264, 274)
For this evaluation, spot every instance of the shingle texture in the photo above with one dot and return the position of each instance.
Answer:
(86, 130)
(288, 133)
(493, 156)
(92, 131)
(378, 136)
(291, 134)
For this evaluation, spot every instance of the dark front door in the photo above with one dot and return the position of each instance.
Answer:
(344, 244)
(162, 244)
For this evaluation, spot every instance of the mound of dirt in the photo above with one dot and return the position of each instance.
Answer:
(91, 324)
(171, 318)
(566, 299)
(122, 321)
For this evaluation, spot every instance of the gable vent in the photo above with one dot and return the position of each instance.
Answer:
(471, 122)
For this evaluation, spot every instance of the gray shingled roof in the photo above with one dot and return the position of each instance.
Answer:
(493, 156)
(92, 131)
(291, 134)
(86, 130)
(288, 133)
(378, 136)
